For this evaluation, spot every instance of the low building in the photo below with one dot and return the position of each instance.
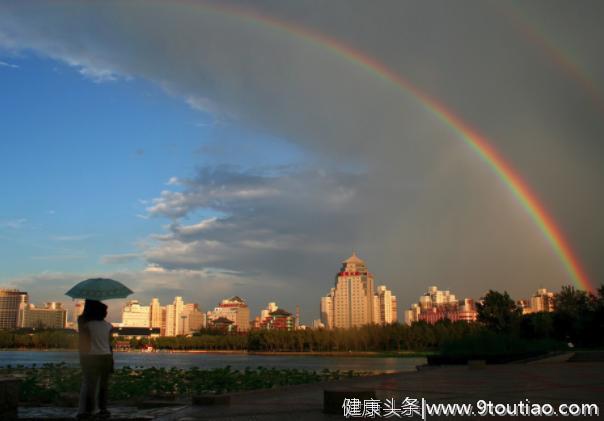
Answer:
(438, 305)
(136, 315)
(525, 306)
(279, 320)
(223, 324)
(136, 332)
(235, 309)
(317, 324)
(51, 316)
(467, 311)
(435, 314)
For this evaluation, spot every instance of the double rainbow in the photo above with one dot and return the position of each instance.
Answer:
(478, 143)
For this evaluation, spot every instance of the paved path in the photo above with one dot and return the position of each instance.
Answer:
(552, 383)
(130, 413)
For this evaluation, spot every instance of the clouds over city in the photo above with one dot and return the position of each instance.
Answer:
(384, 176)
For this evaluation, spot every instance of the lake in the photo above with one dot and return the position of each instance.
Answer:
(209, 361)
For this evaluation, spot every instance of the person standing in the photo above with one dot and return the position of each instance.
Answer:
(96, 359)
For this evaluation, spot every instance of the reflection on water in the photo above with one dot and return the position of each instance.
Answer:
(208, 361)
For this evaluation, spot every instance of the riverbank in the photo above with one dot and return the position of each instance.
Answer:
(339, 354)
(336, 354)
(211, 360)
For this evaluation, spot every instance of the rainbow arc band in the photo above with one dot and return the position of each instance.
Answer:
(478, 143)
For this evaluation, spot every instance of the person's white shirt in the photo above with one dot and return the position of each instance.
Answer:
(99, 337)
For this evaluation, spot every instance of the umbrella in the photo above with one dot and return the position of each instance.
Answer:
(99, 289)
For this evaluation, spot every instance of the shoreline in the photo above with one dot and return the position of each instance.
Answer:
(339, 354)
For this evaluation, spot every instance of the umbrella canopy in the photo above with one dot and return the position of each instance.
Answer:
(99, 289)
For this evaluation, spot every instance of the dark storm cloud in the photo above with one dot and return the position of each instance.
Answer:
(274, 225)
(425, 210)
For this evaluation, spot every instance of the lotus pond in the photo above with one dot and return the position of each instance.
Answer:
(59, 384)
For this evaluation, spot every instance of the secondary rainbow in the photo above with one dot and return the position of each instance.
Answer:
(478, 143)
(556, 55)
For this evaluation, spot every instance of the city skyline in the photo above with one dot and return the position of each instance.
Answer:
(264, 141)
(156, 316)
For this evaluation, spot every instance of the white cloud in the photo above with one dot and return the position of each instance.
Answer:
(14, 223)
(195, 229)
(214, 188)
(154, 268)
(201, 104)
(10, 65)
(119, 258)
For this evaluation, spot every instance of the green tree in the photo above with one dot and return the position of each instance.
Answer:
(537, 325)
(574, 316)
(498, 312)
(571, 301)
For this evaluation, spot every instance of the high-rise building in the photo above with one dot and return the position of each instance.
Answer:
(135, 315)
(164, 321)
(385, 306)
(155, 313)
(352, 299)
(177, 318)
(174, 322)
(542, 300)
(412, 314)
(10, 302)
(51, 316)
(437, 298)
(193, 319)
(327, 309)
(234, 309)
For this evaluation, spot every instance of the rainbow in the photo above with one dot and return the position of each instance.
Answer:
(478, 143)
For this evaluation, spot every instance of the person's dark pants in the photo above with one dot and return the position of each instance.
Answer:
(95, 382)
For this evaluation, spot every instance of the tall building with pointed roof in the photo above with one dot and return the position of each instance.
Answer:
(353, 296)
(354, 301)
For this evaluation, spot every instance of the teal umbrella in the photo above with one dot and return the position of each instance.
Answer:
(99, 289)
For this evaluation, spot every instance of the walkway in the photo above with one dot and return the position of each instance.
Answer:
(552, 383)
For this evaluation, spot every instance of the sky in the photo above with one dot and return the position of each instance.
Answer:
(210, 149)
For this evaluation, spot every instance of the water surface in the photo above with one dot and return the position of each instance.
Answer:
(209, 361)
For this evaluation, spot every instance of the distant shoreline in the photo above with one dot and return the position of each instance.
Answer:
(366, 354)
